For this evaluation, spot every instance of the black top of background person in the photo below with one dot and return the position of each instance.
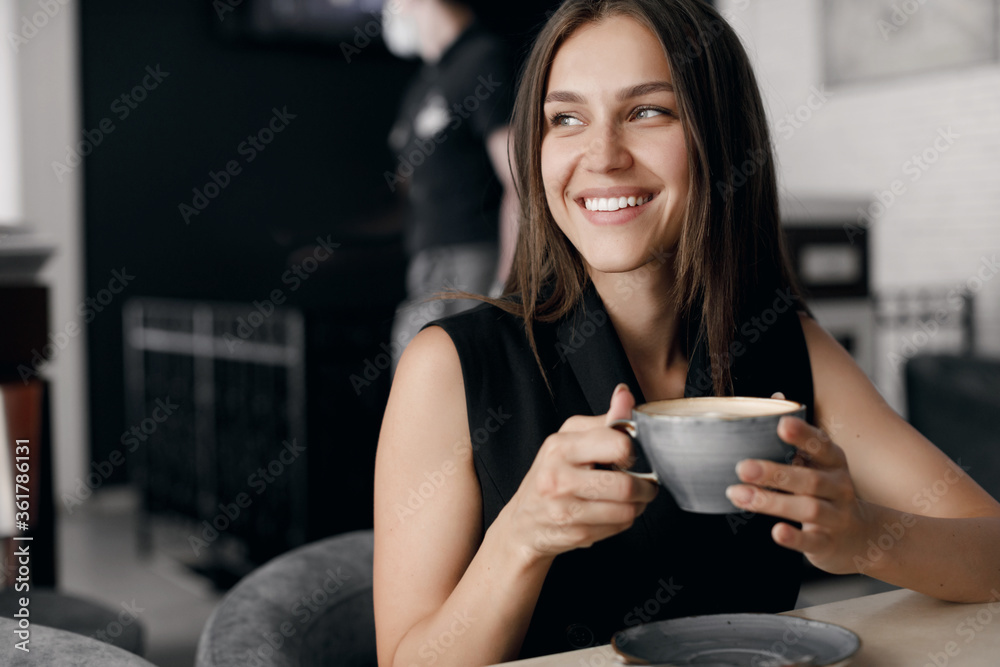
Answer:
(439, 141)
(670, 563)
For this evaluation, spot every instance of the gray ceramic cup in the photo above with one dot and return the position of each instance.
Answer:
(694, 444)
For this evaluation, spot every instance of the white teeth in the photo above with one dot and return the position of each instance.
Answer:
(614, 203)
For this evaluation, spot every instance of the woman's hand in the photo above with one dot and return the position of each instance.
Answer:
(816, 490)
(564, 502)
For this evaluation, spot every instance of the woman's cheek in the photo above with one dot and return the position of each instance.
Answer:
(556, 173)
(555, 178)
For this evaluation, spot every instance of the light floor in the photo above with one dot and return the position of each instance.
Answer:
(98, 559)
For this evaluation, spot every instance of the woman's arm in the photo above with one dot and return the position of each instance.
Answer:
(883, 500)
(444, 593)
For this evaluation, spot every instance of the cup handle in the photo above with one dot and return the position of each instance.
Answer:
(627, 426)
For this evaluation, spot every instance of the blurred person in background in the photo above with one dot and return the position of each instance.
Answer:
(450, 140)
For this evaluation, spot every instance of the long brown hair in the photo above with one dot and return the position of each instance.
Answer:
(730, 248)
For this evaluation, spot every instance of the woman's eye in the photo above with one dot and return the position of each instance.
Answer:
(649, 112)
(562, 120)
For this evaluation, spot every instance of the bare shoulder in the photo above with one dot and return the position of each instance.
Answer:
(817, 338)
(837, 378)
(427, 387)
(432, 344)
(823, 347)
(425, 418)
(430, 357)
(427, 500)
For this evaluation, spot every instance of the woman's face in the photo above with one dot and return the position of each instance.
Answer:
(613, 158)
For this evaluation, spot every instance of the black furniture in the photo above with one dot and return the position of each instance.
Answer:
(954, 400)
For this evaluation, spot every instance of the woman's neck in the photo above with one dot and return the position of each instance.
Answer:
(646, 319)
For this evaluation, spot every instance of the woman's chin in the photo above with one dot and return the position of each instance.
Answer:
(617, 265)
(613, 256)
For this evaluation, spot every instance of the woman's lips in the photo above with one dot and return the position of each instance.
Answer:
(619, 217)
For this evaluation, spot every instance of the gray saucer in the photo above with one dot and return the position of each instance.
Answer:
(736, 640)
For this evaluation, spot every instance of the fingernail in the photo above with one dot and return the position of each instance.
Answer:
(749, 469)
(621, 386)
(740, 495)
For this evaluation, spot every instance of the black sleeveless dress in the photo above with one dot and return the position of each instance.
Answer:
(670, 563)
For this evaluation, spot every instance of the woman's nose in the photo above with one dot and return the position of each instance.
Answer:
(607, 152)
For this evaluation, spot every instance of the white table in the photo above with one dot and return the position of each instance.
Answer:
(897, 629)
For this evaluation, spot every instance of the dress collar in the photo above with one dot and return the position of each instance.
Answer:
(588, 342)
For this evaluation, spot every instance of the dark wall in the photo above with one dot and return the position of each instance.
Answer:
(321, 175)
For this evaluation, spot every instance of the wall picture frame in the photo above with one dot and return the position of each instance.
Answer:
(876, 39)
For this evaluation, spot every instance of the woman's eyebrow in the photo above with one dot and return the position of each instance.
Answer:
(623, 94)
(645, 89)
(564, 96)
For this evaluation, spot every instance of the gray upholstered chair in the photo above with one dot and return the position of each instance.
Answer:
(61, 648)
(306, 608)
(118, 627)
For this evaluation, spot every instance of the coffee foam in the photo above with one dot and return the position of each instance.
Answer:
(719, 407)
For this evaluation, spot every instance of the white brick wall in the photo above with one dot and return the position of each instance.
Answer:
(860, 141)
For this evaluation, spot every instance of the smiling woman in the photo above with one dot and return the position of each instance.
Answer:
(637, 102)
(605, 142)
(644, 245)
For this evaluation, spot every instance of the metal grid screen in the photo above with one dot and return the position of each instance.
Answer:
(215, 400)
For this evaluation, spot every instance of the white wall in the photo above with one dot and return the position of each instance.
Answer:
(939, 231)
(11, 191)
(50, 110)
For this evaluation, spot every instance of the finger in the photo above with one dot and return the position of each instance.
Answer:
(799, 539)
(611, 485)
(813, 444)
(601, 513)
(778, 394)
(622, 402)
(793, 479)
(620, 407)
(804, 509)
(578, 423)
(598, 445)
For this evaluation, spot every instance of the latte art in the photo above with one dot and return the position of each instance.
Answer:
(718, 407)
